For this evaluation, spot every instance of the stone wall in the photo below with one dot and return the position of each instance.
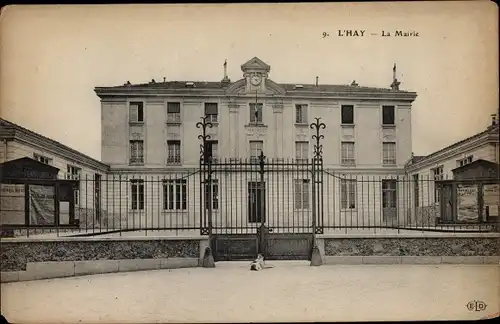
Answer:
(425, 246)
(16, 255)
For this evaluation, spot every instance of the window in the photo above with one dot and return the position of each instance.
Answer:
(211, 112)
(175, 194)
(301, 151)
(347, 154)
(255, 113)
(255, 149)
(438, 175)
(73, 173)
(215, 195)
(137, 190)
(389, 197)
(348, 194)
(136, 112)
(136, 152)
(388, 115)
(465, 161)
(301, 194)
(41, 158)
(416, 190)
(301, 114)
(389, 153)
(212, 150)
(174, 152)
(347, 112)
(173, 112)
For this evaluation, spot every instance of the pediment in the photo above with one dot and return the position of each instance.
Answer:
(255, 64)
(271, 88)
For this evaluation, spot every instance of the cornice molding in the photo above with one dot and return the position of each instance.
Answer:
(111, 94)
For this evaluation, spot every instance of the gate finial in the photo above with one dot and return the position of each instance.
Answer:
(318, 148)
(203, 124)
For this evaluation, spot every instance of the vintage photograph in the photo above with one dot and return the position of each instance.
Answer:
(249, 162)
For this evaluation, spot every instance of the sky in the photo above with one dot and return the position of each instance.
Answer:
(52, 57)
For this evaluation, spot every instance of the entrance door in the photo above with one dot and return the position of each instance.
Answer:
(256, 202)
(97, 196)
(389, 200)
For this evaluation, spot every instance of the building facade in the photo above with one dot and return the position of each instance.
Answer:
(150, 142)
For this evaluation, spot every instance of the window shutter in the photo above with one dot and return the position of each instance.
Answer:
(133, 112)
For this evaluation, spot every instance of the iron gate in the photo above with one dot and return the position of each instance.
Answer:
(261, 205)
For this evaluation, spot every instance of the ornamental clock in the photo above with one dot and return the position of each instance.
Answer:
(255, 80)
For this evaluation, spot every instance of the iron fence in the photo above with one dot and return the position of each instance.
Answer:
(294, 198)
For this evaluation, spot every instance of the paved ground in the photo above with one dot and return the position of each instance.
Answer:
(292, 291)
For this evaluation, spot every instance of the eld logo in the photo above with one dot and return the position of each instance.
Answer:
(476, 305)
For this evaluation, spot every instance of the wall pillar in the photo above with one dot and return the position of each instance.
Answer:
(233, 129)
(278, 128)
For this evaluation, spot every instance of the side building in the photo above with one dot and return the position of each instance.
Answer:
(19, 144)
(462, 166)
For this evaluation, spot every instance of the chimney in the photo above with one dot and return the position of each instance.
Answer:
(153, 81)
(494, 120)
(164, 79)
(225, 81)
(354, 84)
(317, 78)
(395, 83)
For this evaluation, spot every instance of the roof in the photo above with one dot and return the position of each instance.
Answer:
(492, 129)
(210, 85)
(11, 130)
(26, 167)
(479, 162)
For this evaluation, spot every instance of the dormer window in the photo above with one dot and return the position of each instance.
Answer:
(189, 84)
(299, 86)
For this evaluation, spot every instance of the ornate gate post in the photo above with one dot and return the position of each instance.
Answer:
(317, 168)
(262, 246)
(206, 187)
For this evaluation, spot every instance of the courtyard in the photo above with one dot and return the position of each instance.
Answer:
(290, 291)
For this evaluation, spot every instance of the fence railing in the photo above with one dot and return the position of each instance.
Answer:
(291, 197)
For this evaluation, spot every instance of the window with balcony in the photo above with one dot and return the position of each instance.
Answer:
(174, 152)
(301, 114)
(347, 153)
(136, 152)
(174, 112)
(211, 112)
(389, 153)
(136, 109)
(347, 114)
(256, 113)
